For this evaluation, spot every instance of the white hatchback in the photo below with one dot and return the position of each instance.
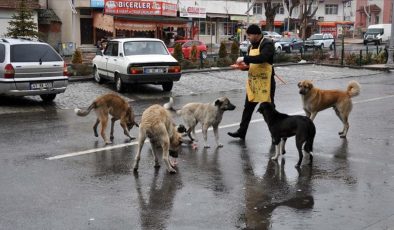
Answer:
(136, 61)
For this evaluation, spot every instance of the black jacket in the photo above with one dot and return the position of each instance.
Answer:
(267, 52)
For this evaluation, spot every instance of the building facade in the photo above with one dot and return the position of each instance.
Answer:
(369, 12)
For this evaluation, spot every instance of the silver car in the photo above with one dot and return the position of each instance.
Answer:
(29, 67)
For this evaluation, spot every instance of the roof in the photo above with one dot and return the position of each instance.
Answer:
(14, 41)
(14, 4)
(47, 16)
(135, 39)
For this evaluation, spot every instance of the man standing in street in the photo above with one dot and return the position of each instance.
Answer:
(260, 86)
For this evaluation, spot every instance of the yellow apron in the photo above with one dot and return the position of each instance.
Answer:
(258, 85)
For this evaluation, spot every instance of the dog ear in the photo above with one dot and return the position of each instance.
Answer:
(299, 84)
(218, 102)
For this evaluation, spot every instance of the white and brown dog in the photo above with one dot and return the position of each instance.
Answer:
(208, 114)
(157, 125)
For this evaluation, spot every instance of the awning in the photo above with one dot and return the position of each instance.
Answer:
(276, 23)
(103, 21)
(370, 8)
(135, 26)
(327, 24)
(154, 19)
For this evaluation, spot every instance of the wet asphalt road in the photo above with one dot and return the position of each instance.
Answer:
(349, 186)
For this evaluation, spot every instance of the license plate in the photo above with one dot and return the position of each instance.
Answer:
(154, 70)
(41, 85)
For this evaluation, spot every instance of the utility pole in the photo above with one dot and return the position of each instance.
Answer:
(247, 16)
(391, 46)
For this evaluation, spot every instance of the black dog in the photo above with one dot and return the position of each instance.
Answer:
(283, 126)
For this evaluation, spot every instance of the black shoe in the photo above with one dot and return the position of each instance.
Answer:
(236, 135)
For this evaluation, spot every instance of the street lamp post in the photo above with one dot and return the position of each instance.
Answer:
(391, 46)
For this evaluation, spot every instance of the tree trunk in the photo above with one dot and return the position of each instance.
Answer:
(270, 13)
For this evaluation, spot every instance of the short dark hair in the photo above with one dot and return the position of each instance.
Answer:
(253, 29)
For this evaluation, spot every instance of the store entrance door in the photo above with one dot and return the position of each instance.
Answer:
(86, 31)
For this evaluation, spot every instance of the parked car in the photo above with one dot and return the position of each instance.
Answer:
(187, 48)
(272, 34)
(136, 61)
(243, 47)
(29, 67)
(289, 44)
(377, 34)
(320, 41)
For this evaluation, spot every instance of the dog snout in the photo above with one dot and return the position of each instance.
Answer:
(231, 107)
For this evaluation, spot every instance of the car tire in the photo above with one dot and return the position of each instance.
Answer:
(96, 76)
(322, 46)
(278, 50)
(204, 54)
(119, 85)
(48, 97)
(167, 86)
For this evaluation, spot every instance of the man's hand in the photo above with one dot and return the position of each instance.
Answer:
(240, 60)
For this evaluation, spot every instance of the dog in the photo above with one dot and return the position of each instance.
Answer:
(315, 100)
(117, 107)
(157, 125)
(282, 126)
(208, 114)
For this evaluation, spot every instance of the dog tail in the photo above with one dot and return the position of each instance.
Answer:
(84, 112)
(353, 89)
(170, 104)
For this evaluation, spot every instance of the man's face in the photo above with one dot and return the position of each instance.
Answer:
(253, 38)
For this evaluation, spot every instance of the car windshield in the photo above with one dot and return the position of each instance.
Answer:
(177, 42)
(374, 31)
(144, 48)
(316, 36)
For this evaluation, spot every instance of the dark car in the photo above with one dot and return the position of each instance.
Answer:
(290, 44)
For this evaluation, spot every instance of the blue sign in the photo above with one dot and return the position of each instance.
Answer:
(97, 3)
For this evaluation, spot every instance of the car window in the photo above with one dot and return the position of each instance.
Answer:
(33, 53)
(115, 49)
(144, 47)
(2, 53)
(108, 49)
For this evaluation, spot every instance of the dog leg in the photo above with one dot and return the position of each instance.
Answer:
(283, 143)
(95, 127)
(154, 153)
(141, 140)
(111, 136)
(313, 115)
(165, 148)
(205, 135)
(125, 131)
(104, 123)
(300, 153)
(216, 132)
(277, 152)
(189, 134)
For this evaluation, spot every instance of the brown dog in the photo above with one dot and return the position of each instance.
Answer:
(117, 107)
(315, 100)
(157, 125)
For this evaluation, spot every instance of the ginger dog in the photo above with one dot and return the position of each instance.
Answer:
(117, 107)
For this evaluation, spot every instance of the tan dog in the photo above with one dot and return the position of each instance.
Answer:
(315, 100)
(117, 107)
(157, 125)
(208, 114)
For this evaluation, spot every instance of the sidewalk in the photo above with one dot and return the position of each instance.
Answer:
(351, 40)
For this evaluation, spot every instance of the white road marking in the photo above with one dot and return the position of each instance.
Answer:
(197, 131)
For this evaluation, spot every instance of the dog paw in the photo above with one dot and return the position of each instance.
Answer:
(111, 138)
(219, 145)
(274, 158)
(132, 138)
(207, 146)
(342, 136)
(171, 170)
(108, 142)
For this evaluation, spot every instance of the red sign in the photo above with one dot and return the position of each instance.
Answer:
(138, 7)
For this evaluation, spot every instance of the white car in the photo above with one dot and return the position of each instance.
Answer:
(243, 47)
(136, 61)
(272, 34)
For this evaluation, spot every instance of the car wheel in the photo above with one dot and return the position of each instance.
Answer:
(321, 46)
(167, 86)
(204, 54)
(278, 50)
(331, 46)
(119, 86)
(48, 97)
(96, 76)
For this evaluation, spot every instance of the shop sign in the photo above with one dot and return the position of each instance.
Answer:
(192, 12)
(139, 7)
(97, 3)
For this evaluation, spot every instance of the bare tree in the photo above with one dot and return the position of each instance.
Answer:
(270, 13)
(306, 14)
(292, 3)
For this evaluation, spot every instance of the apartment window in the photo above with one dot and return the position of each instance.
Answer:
(331, 9)
(280, 10)
(258, 8)
(377, 19)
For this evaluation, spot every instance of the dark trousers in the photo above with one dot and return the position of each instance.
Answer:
(249, 109)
